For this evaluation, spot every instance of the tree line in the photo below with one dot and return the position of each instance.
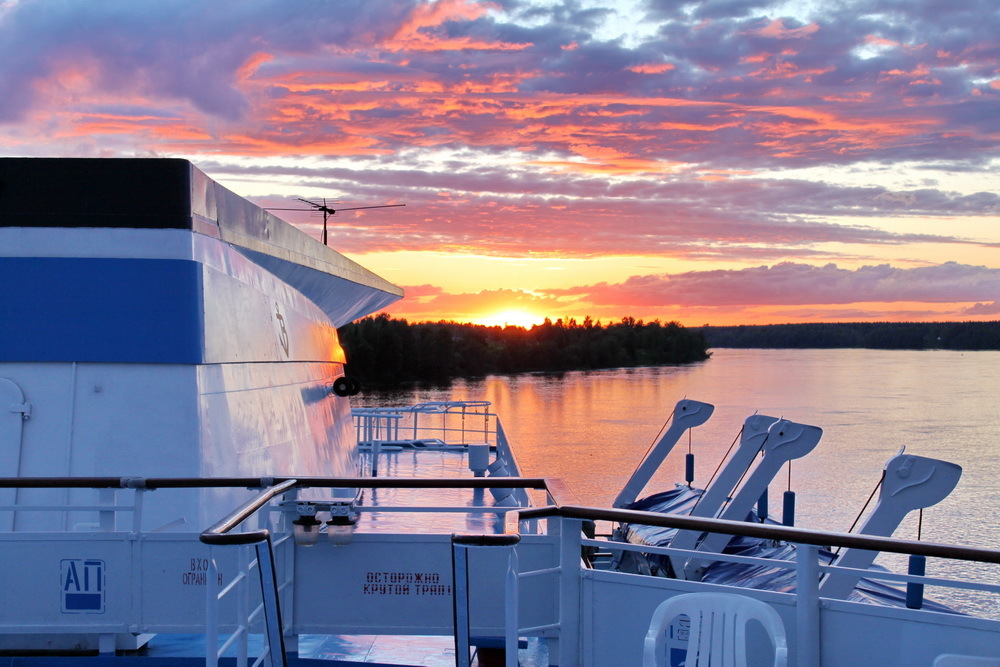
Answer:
(384, 350)
(874, 335)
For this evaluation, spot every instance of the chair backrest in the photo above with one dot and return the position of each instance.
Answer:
(955, 660)
(717, 630)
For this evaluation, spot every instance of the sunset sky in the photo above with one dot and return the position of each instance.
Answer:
(720, 161)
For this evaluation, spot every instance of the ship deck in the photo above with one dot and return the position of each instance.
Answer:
(392, 510)
(395, 595)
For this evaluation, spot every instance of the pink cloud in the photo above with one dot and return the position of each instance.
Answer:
(984, 309)
(389, 79)
(788, 284)
(777, 30)
(522, 130)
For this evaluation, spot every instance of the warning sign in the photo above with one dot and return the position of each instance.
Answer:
(405, 583)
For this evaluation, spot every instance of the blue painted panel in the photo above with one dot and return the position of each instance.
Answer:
(100, 310)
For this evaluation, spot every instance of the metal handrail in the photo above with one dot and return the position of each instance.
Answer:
(148, 483)
(220, 534)
(765, 531)
(388, 423)
(563, 504)
(151, 483)
(562, 498)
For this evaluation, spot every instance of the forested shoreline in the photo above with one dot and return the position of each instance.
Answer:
(383, 350)
(872, 335)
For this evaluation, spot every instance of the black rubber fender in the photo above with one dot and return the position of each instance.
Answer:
(346, 386)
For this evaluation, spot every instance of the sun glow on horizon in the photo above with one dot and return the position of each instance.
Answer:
(515, 318)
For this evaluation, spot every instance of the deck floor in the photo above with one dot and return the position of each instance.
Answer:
(418, 650)
(421, 464)
(398, 651)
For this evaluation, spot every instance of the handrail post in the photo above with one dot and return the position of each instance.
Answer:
(212, 612)
(511, 602)
(107, 519)
(269, 595)
(243, 606)
(460, 546)
(807, 605)
(569, 591)
(138, 500)
(460, 601)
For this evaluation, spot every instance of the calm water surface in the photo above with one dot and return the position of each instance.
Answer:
(592, 428)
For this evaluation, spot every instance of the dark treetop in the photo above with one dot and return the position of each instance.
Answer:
(382, 350)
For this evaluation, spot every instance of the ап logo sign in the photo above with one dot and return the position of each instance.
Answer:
(82, 586)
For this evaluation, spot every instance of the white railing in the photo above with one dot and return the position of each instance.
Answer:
(454, 423)
(257, 606)
(804, 611)
(595, 616)
(224, 534)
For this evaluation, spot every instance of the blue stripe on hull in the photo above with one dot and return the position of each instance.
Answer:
(113, 310)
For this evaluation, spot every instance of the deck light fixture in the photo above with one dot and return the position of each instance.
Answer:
(306, 528)
(340, 527)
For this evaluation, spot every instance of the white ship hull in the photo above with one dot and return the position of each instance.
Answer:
(198, 344)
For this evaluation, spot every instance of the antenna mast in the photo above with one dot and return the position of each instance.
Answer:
(327, 211)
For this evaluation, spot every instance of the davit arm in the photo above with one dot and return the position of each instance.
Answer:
(687, 414)
(910, 482)
(752, 439)
(786, 440)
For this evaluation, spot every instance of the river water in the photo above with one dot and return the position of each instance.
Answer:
(591, 428)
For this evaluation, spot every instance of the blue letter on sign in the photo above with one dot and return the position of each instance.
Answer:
(82, 586)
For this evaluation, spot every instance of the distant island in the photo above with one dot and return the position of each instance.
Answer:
(874, 335)
(383, 350)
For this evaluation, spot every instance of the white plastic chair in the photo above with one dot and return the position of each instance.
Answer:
(955, 660)
(717, 630)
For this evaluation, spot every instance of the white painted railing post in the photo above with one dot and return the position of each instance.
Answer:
(807, 605)
(511, 622)
(461, 545)
(569, 592)
(212, 613)
(243, 604)
(460, 602)
(138, 500)
(272, 609)
(107, 519)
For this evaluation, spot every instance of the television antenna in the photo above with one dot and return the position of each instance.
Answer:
(327, 211)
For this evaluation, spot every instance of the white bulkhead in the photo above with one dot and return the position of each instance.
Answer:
(170, 350)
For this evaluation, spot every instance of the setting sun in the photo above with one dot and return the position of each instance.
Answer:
(516, 318)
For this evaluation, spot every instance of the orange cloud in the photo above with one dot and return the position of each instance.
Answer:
(879, 41)
(417, 34)
(652, 68)
(785, 70)
(252, 63)
(777, 30)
